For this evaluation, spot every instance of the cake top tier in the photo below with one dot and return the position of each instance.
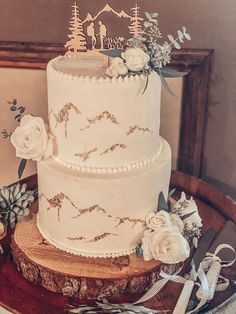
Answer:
(83, 66)
(88, 68)
(101, 122)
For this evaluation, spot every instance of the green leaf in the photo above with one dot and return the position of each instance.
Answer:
(113, 53)
(21, 109)
(171, 38)
(162, 203)
(166, 72)
(187, 215)
(21, 167)
(148, 15)
(165, 84)
(146, 84)
(171, 193)
(155, 14)
(176, 45)
(18, 116)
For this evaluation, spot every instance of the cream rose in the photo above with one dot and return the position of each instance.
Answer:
(158, 220)
(177, 221)
(117, 68)
(136, 59)
(32, 139)
(166, 245)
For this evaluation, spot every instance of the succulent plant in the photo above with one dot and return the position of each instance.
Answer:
(14, 203)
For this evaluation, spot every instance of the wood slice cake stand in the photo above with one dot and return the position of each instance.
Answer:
(76, 276)
(21, 296)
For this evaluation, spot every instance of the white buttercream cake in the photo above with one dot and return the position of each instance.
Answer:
(110, 163)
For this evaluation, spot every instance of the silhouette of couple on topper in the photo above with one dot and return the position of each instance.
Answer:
(92, 34)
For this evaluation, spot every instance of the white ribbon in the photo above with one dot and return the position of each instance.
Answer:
(200, 274)
(161, 284)
(210, 258)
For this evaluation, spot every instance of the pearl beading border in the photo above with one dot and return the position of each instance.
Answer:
(77, 252)
(111, 170)
(87, 79)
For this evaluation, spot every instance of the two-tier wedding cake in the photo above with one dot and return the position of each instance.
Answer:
(103, 168)
(110, 163)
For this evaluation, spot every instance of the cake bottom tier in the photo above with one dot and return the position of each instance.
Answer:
(99, 215)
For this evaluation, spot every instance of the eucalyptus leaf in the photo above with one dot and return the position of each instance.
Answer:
(113, 53)
(171, 38)
(21, 109)
(167, 72)
(162, 203)
(165, 84)
(21, 167)
(184, 29)
(155, 14)
(187, 36)
(18, 116)
(148, 15)
(176, 45)
(181, 36)
(187, 215)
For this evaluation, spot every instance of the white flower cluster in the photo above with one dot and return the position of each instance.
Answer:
(133, 59)
(165, 239)
(145, 53)
(32, 139)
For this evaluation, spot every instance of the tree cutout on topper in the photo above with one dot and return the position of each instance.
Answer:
(92, 34)
(76, 42)
(136, 27)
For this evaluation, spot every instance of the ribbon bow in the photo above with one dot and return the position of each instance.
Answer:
(201, 274)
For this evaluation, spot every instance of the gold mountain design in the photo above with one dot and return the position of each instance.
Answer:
(101, 236)
(133, 221)
(76, 238)
(63, 115)
(134, 128)
(89, 210)
(86, 155)
(57, 202)
(105, 115)
(113, 147)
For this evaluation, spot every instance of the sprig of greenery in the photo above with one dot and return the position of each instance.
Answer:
(182, 34)
(107, 308)
(5, 134)
(18, 110)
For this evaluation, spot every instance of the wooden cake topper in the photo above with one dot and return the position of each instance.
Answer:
(93, 34)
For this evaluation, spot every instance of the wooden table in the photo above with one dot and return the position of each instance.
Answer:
(20, 296)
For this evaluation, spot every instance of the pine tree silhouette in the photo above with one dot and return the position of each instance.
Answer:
(77, 40)
(135, 28)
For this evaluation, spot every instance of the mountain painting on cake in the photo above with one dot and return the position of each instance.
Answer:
(104, 29)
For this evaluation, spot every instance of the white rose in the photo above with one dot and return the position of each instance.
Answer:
(177, 221)
(32, 139)
(147, 255)
(184, 207)
(158, 220)
(166, 245)
(117, 68)
(136, 59)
